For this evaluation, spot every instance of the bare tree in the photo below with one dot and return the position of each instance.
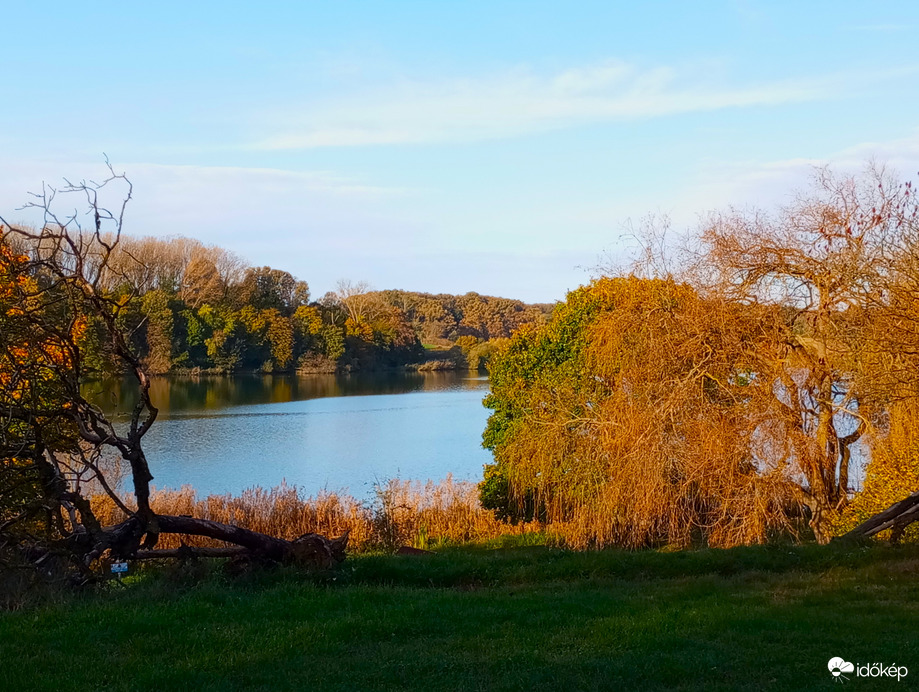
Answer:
(357, 299)
(51, 292)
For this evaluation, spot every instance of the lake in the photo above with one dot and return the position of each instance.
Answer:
(335, 432)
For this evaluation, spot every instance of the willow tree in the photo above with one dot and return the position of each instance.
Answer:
(55, 444)
(632, 419)
(726, 404)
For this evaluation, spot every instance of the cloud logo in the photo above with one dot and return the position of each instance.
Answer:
(839, 666)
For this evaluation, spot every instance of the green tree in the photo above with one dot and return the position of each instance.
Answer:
(159, 328)
(333, 341)
(226, 341)
(264, 288)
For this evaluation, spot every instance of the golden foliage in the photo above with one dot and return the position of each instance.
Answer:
(893, 472)
(648, 435)
(30, 361)
(406, 513)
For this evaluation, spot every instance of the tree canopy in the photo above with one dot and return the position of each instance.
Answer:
(727, 401)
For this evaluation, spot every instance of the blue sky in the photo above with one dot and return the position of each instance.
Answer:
(501, 147)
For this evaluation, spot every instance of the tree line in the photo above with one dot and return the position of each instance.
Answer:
(188, 306)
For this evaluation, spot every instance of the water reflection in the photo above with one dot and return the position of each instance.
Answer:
(174, 395)
(224, 434)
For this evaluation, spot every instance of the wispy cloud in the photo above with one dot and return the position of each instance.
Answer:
(231, 204)
(279, 181)
(770, 184)
(520, 102)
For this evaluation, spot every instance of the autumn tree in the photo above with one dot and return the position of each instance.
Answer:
(201, 281)
(628, 420)
(730, 399)
(888, 367)
(159, 330)
(31, 444)
(818, 260)
(444, 317)
(892, 474)
(356, 298)
(280, 336)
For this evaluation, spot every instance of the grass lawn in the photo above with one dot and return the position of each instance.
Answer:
(476, 619)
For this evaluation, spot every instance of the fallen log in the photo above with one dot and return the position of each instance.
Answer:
(898, 516)
(260, 543)
(310, 549)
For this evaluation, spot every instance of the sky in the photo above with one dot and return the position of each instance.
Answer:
(500, 147)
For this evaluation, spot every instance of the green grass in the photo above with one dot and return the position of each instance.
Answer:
(530, 618)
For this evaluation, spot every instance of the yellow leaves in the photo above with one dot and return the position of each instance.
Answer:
(308, 319)
(7, 256)
(281, 339)
(34, 356)
(78, 328)
(893, 472)
(255, 321)
(358, 329)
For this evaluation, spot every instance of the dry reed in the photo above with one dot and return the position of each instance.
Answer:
(403, 512)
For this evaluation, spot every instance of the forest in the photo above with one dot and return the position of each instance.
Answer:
(190, 307)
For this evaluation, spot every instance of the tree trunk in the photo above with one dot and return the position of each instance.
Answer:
(310, 549)
(820, 523)
(186, 552)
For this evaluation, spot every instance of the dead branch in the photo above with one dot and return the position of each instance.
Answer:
(898, 515)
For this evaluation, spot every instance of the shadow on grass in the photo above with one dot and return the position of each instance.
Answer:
(520, 619)
(526, 565)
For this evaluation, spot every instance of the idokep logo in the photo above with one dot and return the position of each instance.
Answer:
(839, 667)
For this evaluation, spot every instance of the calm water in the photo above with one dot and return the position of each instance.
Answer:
(224, 434)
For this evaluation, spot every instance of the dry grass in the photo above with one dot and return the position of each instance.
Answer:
(410, 513)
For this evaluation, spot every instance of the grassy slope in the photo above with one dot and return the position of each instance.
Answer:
(519, 619)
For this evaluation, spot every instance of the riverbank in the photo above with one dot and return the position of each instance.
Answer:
(401, 513)
(436, 357)
(446, 361)
(757, 618)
